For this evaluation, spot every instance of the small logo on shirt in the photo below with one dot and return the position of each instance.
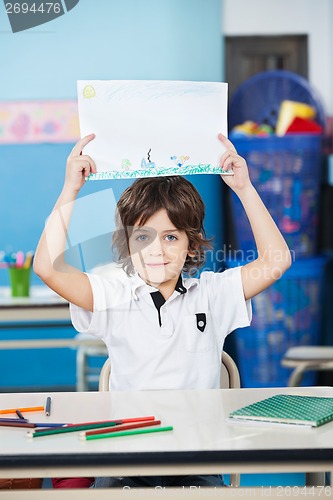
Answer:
(201, 321)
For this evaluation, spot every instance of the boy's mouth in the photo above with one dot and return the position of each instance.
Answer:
(156, 264)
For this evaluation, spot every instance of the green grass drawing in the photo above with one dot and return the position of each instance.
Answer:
(154, 172)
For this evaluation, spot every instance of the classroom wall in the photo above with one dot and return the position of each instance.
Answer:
(112, 39)
(107, 39)
(271, 17)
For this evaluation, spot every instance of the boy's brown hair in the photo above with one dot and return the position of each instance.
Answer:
(185, 209)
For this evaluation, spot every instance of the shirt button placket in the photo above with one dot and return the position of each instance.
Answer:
(165, 322)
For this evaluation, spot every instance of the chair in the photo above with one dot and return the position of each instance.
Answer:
(307, 358)
(302, 359)
(229, 380)
(84, 373)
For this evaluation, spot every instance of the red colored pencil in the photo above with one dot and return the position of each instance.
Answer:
(111, 422)
(136, 419)
(119, 428)
(17, 424)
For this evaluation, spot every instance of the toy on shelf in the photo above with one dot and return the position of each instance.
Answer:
(252, 128)
(289, 110)
(293, 117)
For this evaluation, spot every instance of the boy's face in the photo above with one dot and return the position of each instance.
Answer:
(158, 250)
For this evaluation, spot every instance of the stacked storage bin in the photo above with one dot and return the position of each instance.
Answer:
(286, 171)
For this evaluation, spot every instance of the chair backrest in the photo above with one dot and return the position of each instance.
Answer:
(229, 374)
(229, 380)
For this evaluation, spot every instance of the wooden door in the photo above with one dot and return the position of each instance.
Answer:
(248, 55)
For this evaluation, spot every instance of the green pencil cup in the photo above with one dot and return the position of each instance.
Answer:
(20, 281)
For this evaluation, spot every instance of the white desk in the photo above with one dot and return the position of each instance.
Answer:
(42, 307)
(42, 304)
(201, 442)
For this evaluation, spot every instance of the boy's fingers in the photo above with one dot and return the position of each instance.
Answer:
(90, 161)
(77, 150)
(85, 168)
(228, 144)
(228, 154)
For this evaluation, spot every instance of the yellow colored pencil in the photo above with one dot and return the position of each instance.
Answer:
(28, 260)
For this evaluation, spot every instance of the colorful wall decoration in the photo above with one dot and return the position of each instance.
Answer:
(27, 122)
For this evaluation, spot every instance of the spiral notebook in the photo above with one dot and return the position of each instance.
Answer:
(310, 411)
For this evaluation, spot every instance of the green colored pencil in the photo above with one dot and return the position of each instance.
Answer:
(128, 433)
(70, 428)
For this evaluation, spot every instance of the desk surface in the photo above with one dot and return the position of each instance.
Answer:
(201, 433)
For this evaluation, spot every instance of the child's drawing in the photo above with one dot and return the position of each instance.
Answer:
(179, 161)
(89, 92)
(147, 164)
(150, 128)
(126, 165)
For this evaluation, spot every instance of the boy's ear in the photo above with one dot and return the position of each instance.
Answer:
(192, 250)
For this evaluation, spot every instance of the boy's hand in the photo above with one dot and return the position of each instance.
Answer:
(231, 160)
(79, 166)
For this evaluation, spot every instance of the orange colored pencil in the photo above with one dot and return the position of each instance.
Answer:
(13, 410)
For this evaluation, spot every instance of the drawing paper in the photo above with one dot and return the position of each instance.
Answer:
(150, 128)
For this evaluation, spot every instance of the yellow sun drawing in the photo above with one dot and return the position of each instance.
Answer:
(89, 92)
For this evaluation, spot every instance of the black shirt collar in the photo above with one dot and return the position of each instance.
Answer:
(159, 300)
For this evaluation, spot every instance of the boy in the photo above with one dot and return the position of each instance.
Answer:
(162, 332)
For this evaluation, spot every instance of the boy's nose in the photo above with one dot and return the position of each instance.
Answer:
(156, 248)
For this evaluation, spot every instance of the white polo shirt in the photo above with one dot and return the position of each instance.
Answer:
(155, 344)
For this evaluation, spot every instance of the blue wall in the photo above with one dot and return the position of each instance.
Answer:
(112, 39)
(104, 39)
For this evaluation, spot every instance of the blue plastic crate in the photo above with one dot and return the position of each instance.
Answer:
(286, 171)
(286, 314)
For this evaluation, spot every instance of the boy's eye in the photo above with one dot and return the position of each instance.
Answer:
(171, 237)
(142, 237)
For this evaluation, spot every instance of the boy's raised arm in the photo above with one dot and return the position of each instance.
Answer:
(49, 262)
(273, 253)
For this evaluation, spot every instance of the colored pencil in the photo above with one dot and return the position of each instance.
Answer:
(129, 433)
(68, 428)
(28, 259)
(25, 423)
(120, 428)
(44, 424)
(48, 406)
(18, 423)
(13, 410)
(19, 414)
(135, 419)
(22, 420)
(97, 424)
(90, 425)
(19, 259)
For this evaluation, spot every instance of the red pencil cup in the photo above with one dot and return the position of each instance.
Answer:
(20, 281)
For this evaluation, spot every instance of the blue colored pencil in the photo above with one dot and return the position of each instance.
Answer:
(48, 406)
(44, 424)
